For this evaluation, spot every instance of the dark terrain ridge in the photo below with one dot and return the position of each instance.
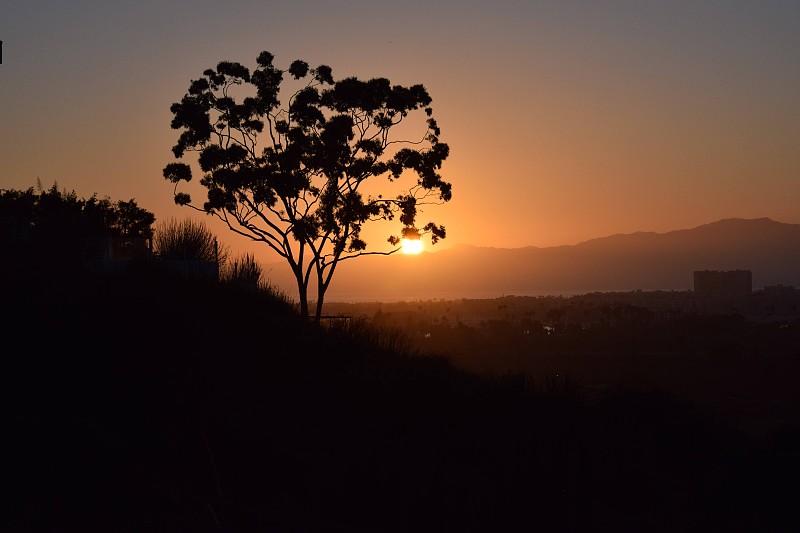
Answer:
(137, 401)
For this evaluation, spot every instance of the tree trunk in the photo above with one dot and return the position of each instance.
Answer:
(320, 300)
(302, 289)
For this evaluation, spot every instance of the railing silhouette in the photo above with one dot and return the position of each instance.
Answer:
(333, 320)
(116, 253)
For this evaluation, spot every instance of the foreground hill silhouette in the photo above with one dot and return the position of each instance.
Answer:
(138, 401)
(643, 260)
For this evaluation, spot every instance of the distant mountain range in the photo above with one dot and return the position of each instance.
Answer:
(642, 260)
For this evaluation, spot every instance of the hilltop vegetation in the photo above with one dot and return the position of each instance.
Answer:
(137, 400)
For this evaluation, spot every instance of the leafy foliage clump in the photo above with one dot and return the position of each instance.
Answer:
(40, 212)
(57, 225)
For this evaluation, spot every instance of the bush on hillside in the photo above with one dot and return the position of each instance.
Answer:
(242, 270)
(187, 240)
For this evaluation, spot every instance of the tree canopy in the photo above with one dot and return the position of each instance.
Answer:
(64, 226)
(291, 173)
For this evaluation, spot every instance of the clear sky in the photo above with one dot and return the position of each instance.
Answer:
(566, 120)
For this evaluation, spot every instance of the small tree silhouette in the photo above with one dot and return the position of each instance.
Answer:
(293, 177)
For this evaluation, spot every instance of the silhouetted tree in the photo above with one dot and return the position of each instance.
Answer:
(292, 175)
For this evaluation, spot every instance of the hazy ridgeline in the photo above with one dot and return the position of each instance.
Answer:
(645, 261)
(136, 400)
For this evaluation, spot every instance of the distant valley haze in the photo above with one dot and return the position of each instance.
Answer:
(623, 262)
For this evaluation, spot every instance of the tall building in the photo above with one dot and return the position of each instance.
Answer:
(723, 282)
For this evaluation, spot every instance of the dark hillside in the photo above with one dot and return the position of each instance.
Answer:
(138, 401)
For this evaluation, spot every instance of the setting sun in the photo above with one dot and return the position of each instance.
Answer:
(412, 246)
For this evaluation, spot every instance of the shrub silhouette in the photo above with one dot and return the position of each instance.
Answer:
(243, 270)
(56, 226)
(187, 240)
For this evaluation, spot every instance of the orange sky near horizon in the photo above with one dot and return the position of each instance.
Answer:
(566, 120)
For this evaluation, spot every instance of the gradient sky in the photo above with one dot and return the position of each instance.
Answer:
(566, 120)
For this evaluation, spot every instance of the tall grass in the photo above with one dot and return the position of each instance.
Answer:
(187, 240)
(361, 330)
(242, 270)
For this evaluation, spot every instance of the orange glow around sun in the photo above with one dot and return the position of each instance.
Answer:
(411, 246)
